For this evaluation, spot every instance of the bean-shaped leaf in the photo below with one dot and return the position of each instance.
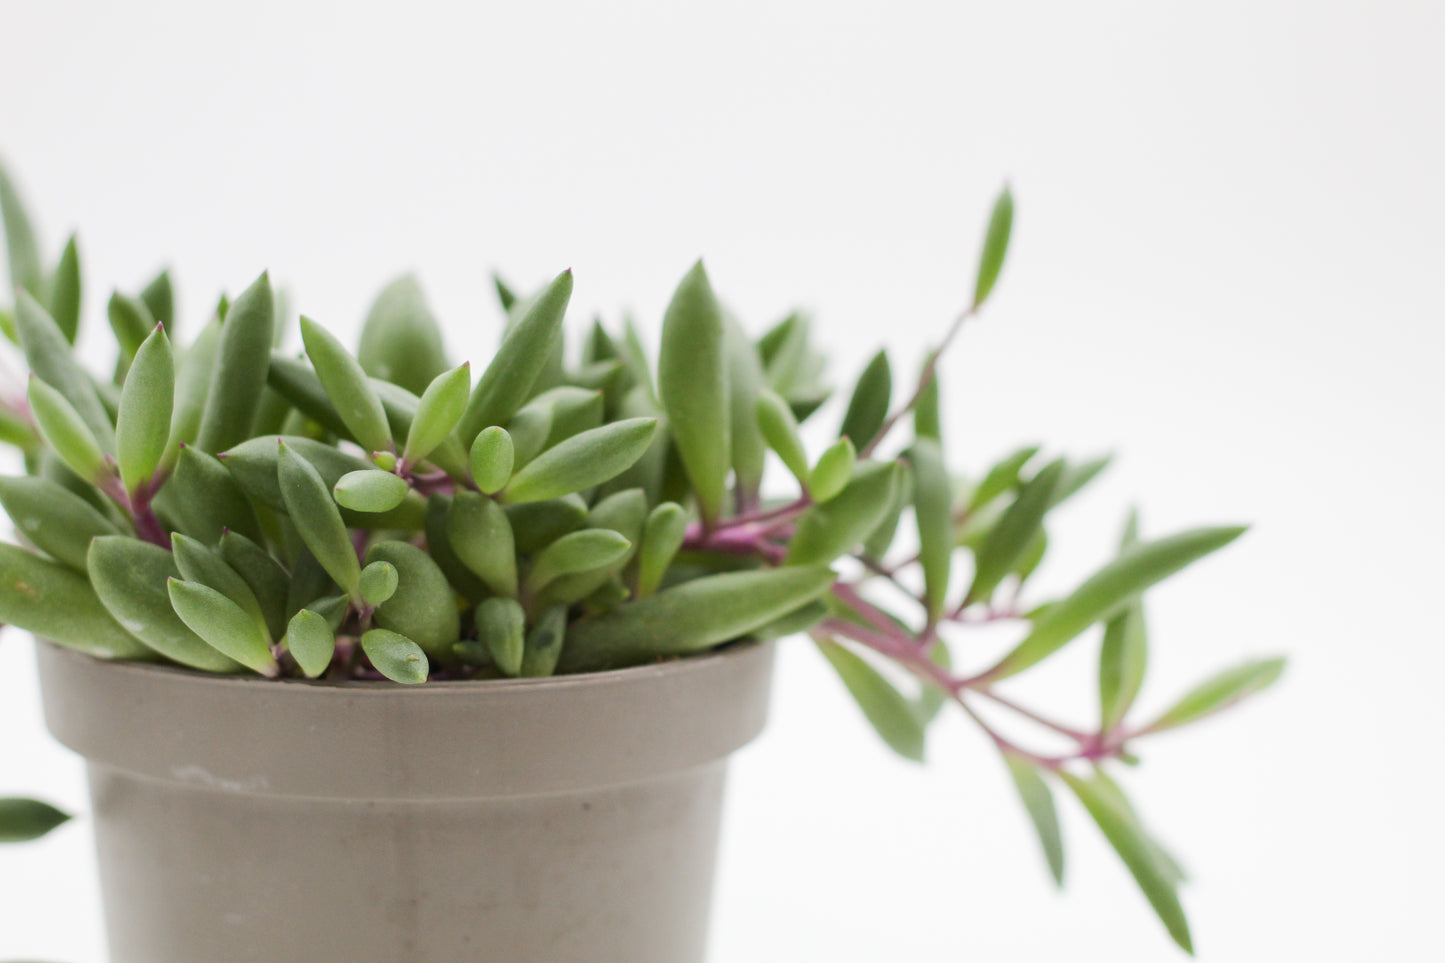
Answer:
(129, 577)
(401, 341)
(65, 291)
(584, 551)
(1038, 801)
(223, 624)
(58, 522)
(507, 382)
(481, 536)
(197, 563)
(317, 519)
(311, 642)
(491, 458)
(423, 607)
(378, 582)
(868, 406)
(886, 709)
(143, 426)
(203, 499)
(501, 627)
(995, 246)
(269, 582)
(693, 385)
(692, 616)
(825, 532)
(1010, 539)
(582, 461)
(53, 602)
(1220, 692)
(66, 432)
(370, 490)
(833, 470)
(933, 509)
(437, 413)
(1127, 836)
(22, 820)
(348, 387)
(1001, 477)
(395, 656)
(780, 429)
(1108, 591)
(662, 536)
(243, 357)
(21, 246)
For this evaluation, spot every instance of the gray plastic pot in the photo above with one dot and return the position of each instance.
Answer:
(564, 820)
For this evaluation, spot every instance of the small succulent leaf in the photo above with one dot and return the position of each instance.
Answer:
(927, 417)
(1123, 659)
(197, 563)
(401, 341)
(22, 820)
(544, 644)
(395, 656)
(131, 322)
(574, 410)
(22, 248)
(584, 551)
(536, 525)
(423, 606)
(269, 581)
(439, 547)
(693, 386)
(1219, 692)
(129, 578)
(254, 464)
(309, 580)
(223, 624)
(66, 432)
(1038, 801)
(505, 295)
(868, 406)
(65, 291)
(880, 540)
(203, 499)
(159, 297)
(624, 512)
(1078, 476)
(833, 471)
(1108, 591)
(481, 536)
(1003, 476)
(508, 380)
(529, 430)
(501, 627)
(53, 519)
(582, 461)
(1123, 831)
(745, 380)
(825, 532)
(933, 511)
(437, 413)
(53, 602)
(295, 380)
(885, 708)
(692, 616)
(492, 457)
(193, 382)
(995, 246)
(243, 359)
(143, 427)
(662, 537)
(51, 360)
(378, 582)
(311, 642)
(1010, 539)
(348, 387)
(780, 429)
(634, 355)
(317, 519)
(931, 697)
(370, 490)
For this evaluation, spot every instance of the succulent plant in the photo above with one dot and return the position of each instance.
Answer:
(235, 507)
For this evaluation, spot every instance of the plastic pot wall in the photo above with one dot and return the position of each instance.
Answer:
(565, 820)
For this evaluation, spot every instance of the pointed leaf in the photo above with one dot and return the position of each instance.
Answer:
(52, 602)
(22, 820)
(159, 298)
(825, 532)
(131, 322)
(501, 627)
(868, 407)
(745, 380)
(1038, 800)
(65, 291)
(889, 712)
(311, 642)
(243, 357)
(50, 359)
(193, 382)
(395, 656)
(437, 413)
(995, 246)
(58, 522)
(927, 420)
(23, 249)
(693, 383)
(197, 563)
(223, 624)
(347, 386)
(582, 461)
(203, 499)
(269, 582)
(780, 429)
(1002, 477)
(833, 470)
(1220, 692)
(317, 519)
(1010, 539)
(933, 510)
(401, 341)
(66, 432)
(143, 427)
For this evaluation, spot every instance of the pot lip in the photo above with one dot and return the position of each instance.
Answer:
(672, 667)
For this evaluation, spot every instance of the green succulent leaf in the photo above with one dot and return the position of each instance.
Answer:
(53, 602)
(880, 540)
(254, 465)
(55, 520)
(582, 461)
(995, 246)
(544, 644)
(1124, 655)
(268, 580)
(933, 509)
(825, 532)
(423, 607)
(22, 247)
(317, 519)
(243, 358)
(1010, 539)
(1108, 591)
(378, 582)
(584, 551)
(65, 291)
(927, 419)
(1219, 692)
(529, 430)
(22, 820)
(536, 525)
(868, 406)
(66, 432)
(780, 429)
(395, 656)
(1003, 476)
(437, 413)
(1077, 476)
(50, 359)
(347, 386)
(833, 471)
(1038, 801)
(401, 341)
(886, 709)
(223, 624)
(501, 627)
(932, 697)
(159, 297)
(745, 381)
(693, 384)
(197, 563)
(480, 534)
(691, 616)
(662, 537)
(491, 458)
(311, 642)
(370, 490)
(203, 499)
(1123, 831)
(143, 427)
(131, 322)
(193, 382)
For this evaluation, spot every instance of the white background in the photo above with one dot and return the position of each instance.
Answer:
(1227, 267)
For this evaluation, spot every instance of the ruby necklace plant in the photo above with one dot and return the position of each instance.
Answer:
(235, 508)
